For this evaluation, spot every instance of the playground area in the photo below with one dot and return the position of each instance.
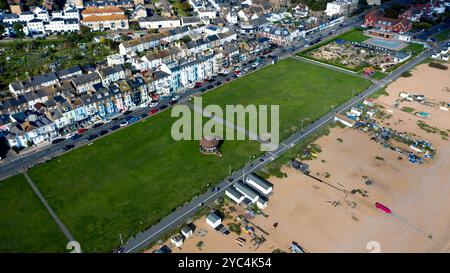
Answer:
(355, 56)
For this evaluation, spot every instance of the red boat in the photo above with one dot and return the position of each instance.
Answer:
(383, 207)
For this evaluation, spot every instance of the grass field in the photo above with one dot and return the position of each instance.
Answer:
(355, 35)
(442, 36)
(26, 225)
(300, 89)
(131, 179)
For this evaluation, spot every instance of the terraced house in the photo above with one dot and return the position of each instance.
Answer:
(191, 71)
(103, 18)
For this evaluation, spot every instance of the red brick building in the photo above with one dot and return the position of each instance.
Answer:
(376, 19)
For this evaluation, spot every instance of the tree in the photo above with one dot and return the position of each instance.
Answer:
(2, 30)
(4, 4)
(18, 29)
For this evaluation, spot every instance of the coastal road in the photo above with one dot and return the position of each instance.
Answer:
(141, 240)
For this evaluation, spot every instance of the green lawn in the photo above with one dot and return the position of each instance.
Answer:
(26, 226)
(131, 179)
(355, 35)
(413, 48)
(442, 36)
(300, 89)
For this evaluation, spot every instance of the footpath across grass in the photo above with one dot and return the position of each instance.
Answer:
(26, 226)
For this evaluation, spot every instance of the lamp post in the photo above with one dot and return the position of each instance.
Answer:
(301, 128)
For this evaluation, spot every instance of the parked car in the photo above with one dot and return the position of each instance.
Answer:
(103, 132)
(124, 123)
(68, 147)
(153, 111)
(153, 104)
(81, 130)
(58, 140)
(127, 112)
(97, 125)
(70, 135)
(173, 102)
(75, 137)
(175, 97)
(115, 127)
(143, 115)
(132, 119)
(162, 107)
(92, 137)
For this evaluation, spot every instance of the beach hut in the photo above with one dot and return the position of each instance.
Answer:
(234, 195)
(247, 191)
(213, 220)
(177, 240)
(259, 183)
(186, 232)
(344, 120)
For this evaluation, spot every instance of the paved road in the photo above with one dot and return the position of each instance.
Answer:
(142, 239)
(49, 209)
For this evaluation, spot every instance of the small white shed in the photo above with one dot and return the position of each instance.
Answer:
(213, 220)
(186, 232)
(177, 240)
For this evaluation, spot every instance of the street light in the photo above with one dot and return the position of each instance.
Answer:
(301, 128)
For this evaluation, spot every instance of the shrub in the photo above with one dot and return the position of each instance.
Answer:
(438, 65)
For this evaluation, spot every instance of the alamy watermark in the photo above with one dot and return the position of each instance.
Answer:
(235, 122)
